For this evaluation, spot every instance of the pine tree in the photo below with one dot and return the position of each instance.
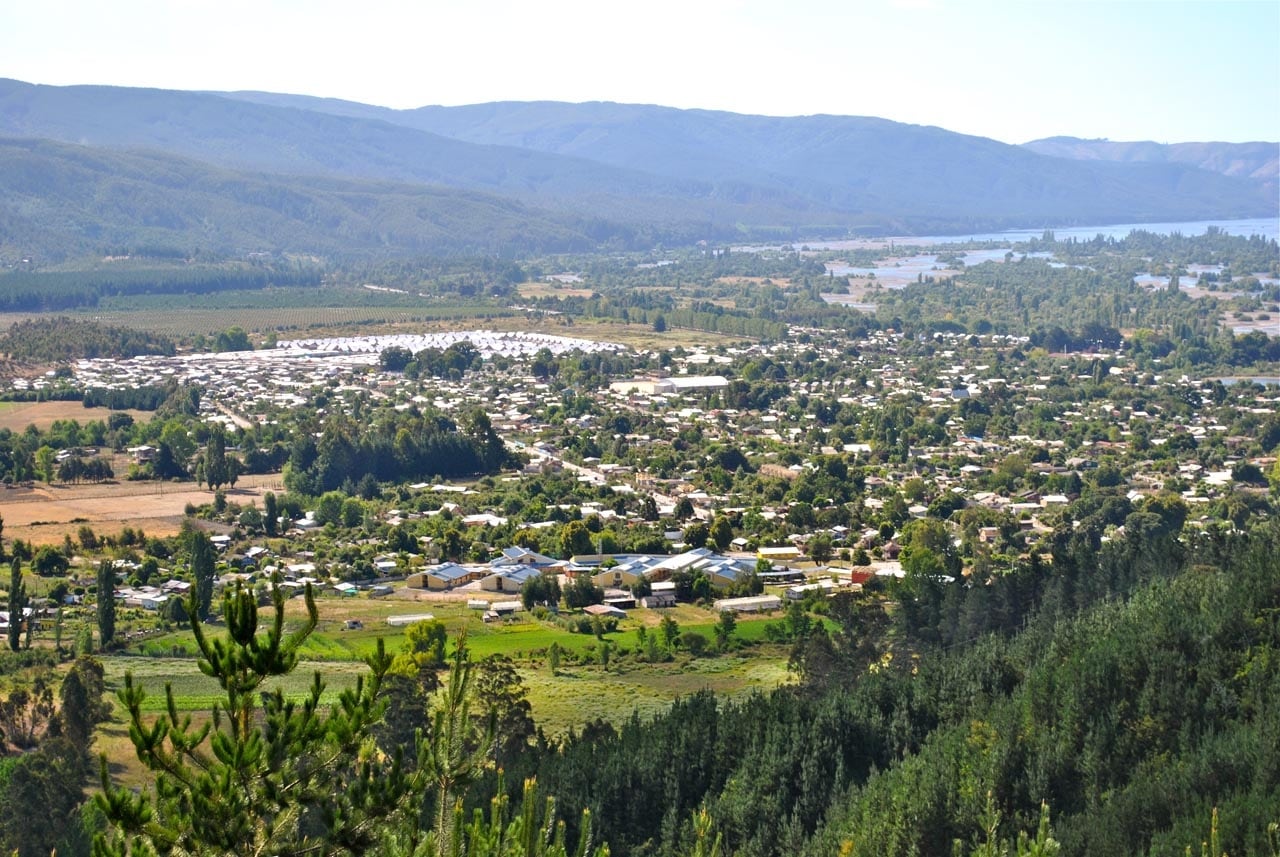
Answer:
(106, 604)
(271, 776)
(267, 775)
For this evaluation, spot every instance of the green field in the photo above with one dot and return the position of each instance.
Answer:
(194, 691)
(557, 701)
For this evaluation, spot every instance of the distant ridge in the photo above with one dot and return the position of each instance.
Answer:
(596, 174)
(1259, 161)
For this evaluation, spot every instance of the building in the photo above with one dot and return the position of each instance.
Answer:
(750, 604)
(444, 576)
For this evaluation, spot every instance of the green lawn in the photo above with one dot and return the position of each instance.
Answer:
(578, 694)
(193, 691)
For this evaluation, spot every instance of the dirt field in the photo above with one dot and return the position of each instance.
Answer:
(44, 514)
(16, 416)
(551, 290)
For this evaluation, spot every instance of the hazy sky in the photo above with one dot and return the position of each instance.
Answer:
(1159, 70)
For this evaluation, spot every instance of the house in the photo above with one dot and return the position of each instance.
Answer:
(620, 598)
(604, 610)
(307, 522)
(788, 552)
(516, 555)
(750, 604)
(498, 609)
(509, 579)
(659, 600)
(483, 519)
(799, 591)
(625, 574)
(444, 576)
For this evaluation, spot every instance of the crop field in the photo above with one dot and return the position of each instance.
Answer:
(43, 514)
(552, 290)
(300, 321)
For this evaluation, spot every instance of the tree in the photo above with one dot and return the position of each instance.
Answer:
(267, 775)
(28, 710)
(203, 566)
(423, 649)
(233, 339)
(540, 589)
(696, 534)
(553, 657)
(216, 467)
(106, 603)
(575, 539)
(694, 642)
(582, 592)
(49, 562)
(725, 627)
(83, 706)
(649, 506)
(329, 507)
(505, 703)
(395, 358)
(39, 801)
(270, 513)
(670, 631)
(175, 611)
(46, 457)
(17, 604)
(820, 548)
(251, 519)
(721, 532)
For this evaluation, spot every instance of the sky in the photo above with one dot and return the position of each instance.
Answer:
(1013, 70)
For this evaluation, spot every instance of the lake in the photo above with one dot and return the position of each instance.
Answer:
(1268, 227)
(1265, 226)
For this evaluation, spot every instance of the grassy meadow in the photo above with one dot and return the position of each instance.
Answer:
(581, 689)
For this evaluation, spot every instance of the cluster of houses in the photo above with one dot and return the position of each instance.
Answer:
(509, 572)
(873, 374)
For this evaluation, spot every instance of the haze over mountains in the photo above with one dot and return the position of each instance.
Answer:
(106, 166)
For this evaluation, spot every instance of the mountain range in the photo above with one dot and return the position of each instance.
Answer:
(86, 166)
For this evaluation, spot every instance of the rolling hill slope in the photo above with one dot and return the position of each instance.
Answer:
(248, 170)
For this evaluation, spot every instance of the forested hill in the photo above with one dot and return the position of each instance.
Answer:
(852, 163)
(59, 200)
(1128, 685)
(645, 166)
(1257, 161)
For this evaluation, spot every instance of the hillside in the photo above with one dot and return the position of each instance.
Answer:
(290, 141)
(712, 174)
(854, 164)
(1257, 161)
(58, 200)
